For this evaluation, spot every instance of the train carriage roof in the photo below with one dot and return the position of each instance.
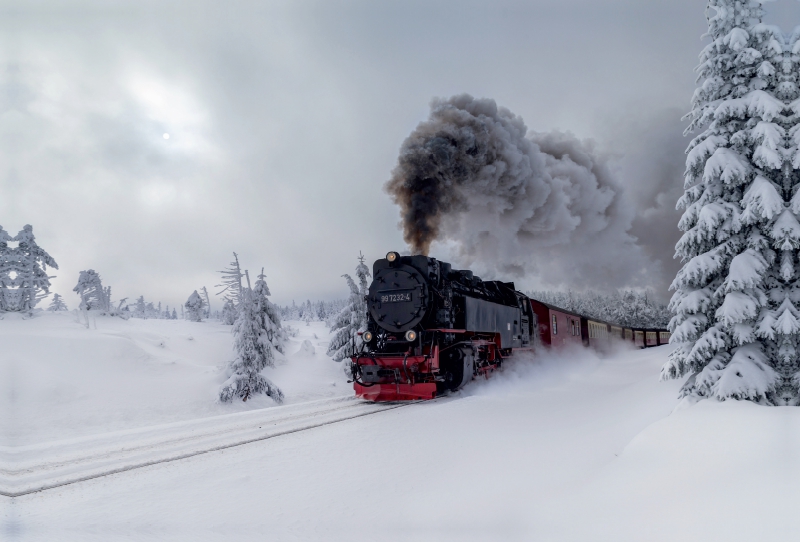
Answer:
(554, 308)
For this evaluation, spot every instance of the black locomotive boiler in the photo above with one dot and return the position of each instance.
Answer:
(431, 328)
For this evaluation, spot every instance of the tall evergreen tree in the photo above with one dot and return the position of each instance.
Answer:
(352, 319)
(253, 353)
(736, 320)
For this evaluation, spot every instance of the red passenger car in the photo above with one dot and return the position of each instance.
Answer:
(558, 327)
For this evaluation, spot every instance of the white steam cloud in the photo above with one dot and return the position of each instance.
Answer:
(513, 204)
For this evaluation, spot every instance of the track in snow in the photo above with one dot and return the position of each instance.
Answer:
(28, 469)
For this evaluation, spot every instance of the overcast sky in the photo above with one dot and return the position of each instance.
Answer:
(285, 120)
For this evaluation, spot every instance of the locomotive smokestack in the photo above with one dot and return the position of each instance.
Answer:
(506, 201)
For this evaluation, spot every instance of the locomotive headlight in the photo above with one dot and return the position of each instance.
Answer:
(366, 336)
(411, 335)
(392, 256)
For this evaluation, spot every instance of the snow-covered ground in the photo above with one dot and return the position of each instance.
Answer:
(567, 446)
(61, 380)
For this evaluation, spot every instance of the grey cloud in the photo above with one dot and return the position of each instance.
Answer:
(304, 108)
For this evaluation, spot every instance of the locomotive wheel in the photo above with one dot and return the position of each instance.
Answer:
(458, 369)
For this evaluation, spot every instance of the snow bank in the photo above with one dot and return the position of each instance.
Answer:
(716, 471)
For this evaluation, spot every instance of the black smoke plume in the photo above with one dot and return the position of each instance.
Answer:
(515, 204)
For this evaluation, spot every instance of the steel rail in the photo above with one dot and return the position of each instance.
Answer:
(166, 452)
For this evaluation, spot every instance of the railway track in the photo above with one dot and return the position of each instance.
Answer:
(39, 467)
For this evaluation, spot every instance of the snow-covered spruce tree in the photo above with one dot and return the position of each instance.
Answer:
(140, 308)
(91, 292)
(352, 319)
(57, 304)
(253, 353)
(194, 307)
(268, 317)
(294, 312)
(28, 262)
(736, 322)
(228, 313)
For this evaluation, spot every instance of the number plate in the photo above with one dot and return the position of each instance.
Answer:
(395, 296)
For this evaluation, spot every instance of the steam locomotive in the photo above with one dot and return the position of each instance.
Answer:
(432, 328)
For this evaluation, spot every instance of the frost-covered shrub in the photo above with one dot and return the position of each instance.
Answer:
(57, 304)
(194, 307)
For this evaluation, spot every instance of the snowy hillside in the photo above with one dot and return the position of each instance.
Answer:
(561, 447)
(61, 380)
